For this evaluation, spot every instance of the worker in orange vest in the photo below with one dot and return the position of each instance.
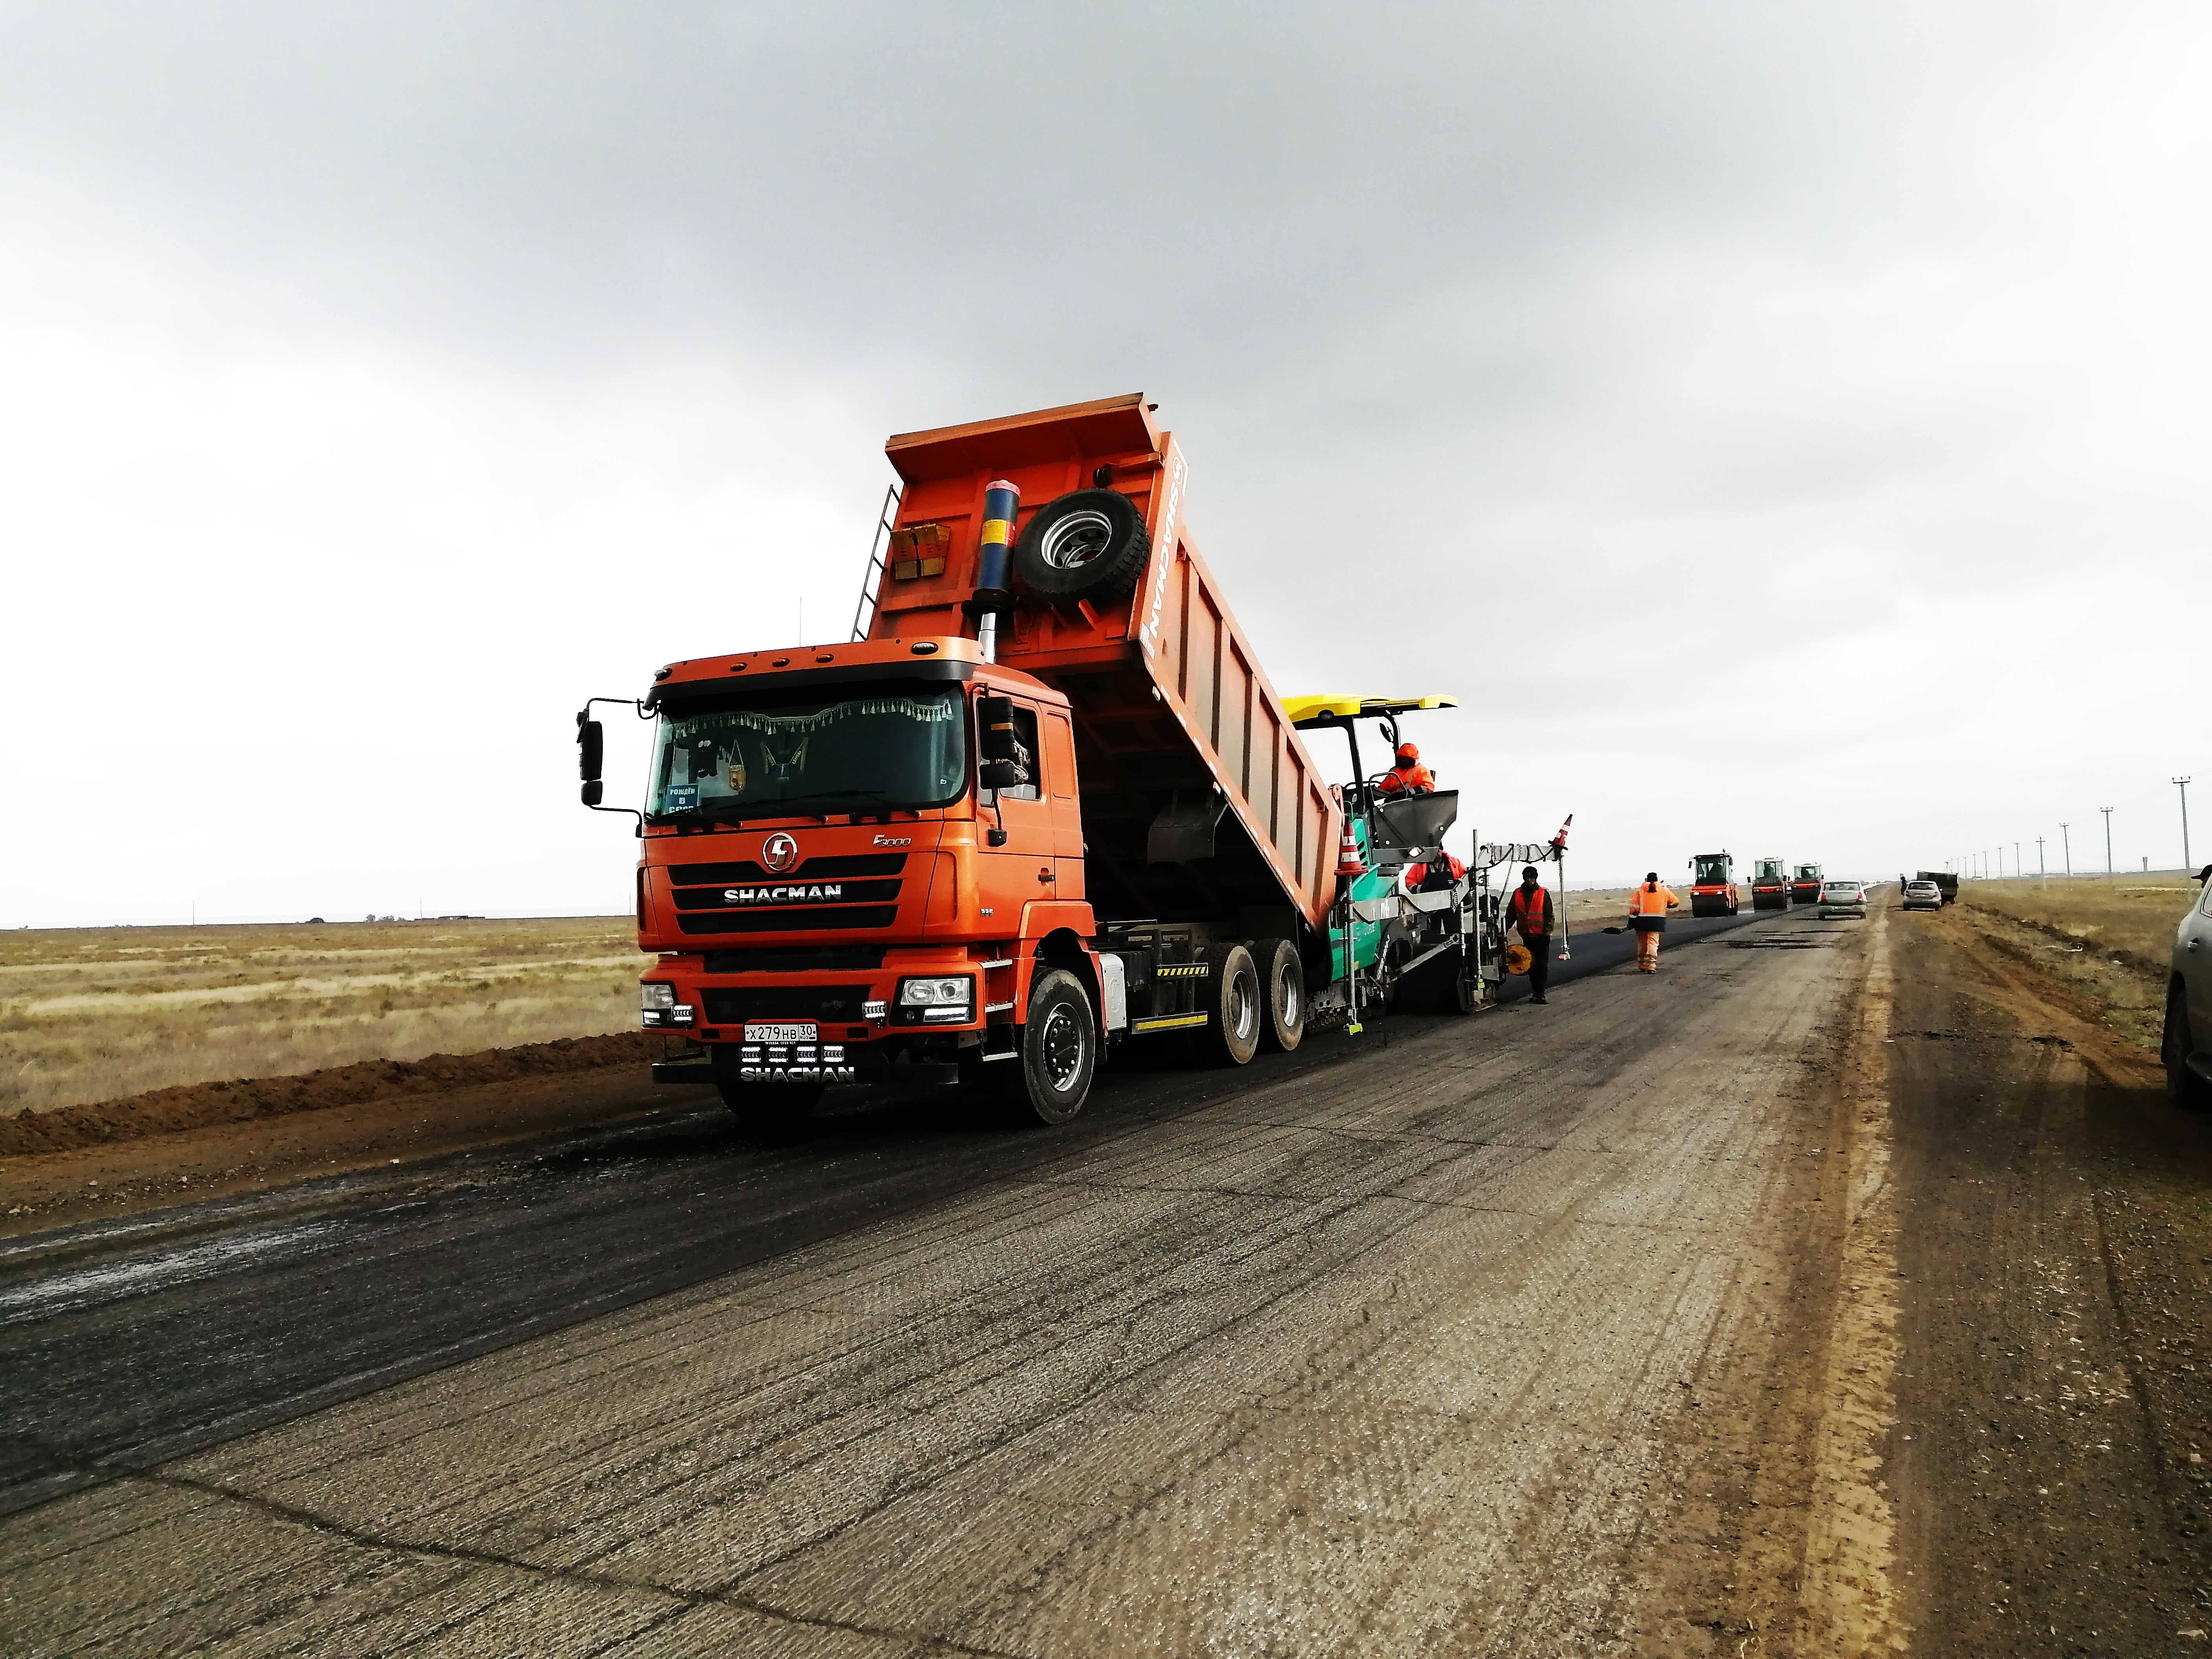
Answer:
(1529, 910)
(1648, 906)
(1409, 777)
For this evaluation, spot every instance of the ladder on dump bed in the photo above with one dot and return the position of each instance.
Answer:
(872, 584)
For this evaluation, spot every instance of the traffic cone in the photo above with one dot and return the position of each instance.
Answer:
(1348, 861)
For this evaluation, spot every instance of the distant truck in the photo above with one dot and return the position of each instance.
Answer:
(1044, 801)
(1770, 885)
(1805, 885)
(1712, 886)
(1945, 881)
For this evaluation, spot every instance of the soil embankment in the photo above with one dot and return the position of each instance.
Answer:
(240, 1100)
(2052, 1458)
(211, 1138)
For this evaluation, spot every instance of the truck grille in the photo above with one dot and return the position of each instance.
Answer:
(782, 893)
(804, 918)
(822, 894)
(822, 869)
(796, 959)
(727, 1006)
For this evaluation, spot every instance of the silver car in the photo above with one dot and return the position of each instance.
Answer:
(1922, 896)
(2187, 1046)
(1842, 898)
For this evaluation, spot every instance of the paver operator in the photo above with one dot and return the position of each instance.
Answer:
(1648, 906)
(1529, 912)
(1409, 777)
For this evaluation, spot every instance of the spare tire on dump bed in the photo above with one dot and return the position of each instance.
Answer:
(1086, 544)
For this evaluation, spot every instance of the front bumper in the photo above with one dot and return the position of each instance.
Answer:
(849, 1068)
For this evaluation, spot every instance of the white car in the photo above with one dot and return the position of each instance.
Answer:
(1842, 898)
(2187, 1046)
(1922, 896)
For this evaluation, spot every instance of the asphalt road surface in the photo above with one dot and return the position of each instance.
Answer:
(1386, 1346)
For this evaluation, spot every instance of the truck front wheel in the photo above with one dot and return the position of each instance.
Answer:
(1283, 976)
(1059, 1049)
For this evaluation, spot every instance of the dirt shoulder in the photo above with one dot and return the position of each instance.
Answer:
(214, 1139)
(2052, 1457)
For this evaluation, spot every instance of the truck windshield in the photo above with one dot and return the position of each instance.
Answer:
(1711, 871)
(1808, 872)
(1770, 870)
(760, 754)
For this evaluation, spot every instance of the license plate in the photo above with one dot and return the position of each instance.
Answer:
(781, 1031)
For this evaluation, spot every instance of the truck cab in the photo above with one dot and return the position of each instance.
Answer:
(1770, 885)
(1712, 886)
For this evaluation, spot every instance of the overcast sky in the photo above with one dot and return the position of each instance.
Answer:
(1786, 426)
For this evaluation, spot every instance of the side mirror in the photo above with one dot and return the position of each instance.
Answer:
(1004, 766)
(994, 721)
(591, 749)
(591, 757)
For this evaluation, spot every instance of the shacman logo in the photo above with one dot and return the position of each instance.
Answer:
(797, 893)
(1162, 556)
(779, 853)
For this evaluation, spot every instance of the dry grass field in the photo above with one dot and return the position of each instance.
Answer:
(94, 1014)
(2111, 938)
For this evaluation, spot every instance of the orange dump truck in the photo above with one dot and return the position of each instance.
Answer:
(1048, 801)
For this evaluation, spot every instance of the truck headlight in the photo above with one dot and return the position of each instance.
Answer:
(936, 992)
(655, 995)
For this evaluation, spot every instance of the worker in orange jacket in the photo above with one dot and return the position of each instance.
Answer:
(1648, 906)
(1529, 911)
(1408, 776)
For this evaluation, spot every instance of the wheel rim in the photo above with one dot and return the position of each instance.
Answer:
(1243, 1008)
(1293, 995)
(1062, 1050)
(1077, 539)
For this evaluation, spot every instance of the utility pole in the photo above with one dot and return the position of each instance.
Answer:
(2187, 862)
(2016, 869)
(2107, 811)
(2041, 874)
(2068, 842)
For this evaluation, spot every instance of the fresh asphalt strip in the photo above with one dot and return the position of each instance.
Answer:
(123, 1344)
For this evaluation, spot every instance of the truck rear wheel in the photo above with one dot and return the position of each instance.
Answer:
(1086, 544)
(1235, 1007)
(1060, 1050)
(1283, 978)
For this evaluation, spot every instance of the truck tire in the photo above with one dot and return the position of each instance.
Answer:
(1060, 1051)
(1283, 980)
(2176, 1042)
(1086, 544)
(1234, 1005)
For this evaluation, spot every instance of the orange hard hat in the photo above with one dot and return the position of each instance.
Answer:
(1408, 752)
